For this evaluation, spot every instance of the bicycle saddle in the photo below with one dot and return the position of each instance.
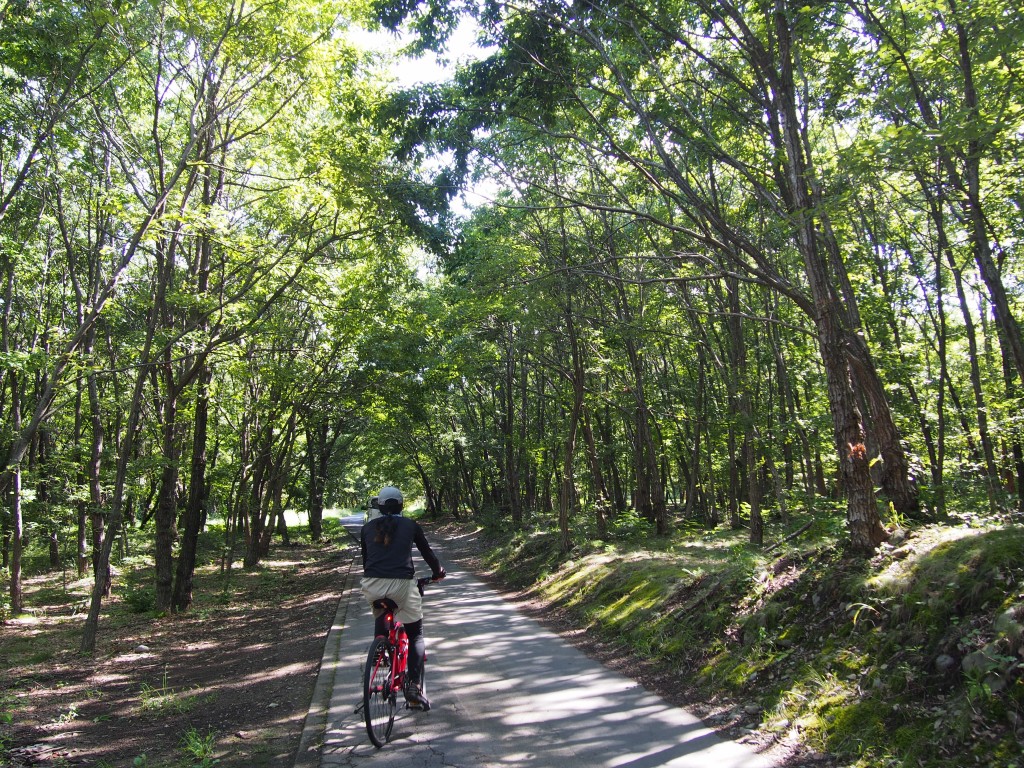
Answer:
(385, 604)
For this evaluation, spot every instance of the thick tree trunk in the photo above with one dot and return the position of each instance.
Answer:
(257, 502)
(897, 480)
(865, 528)
(166, 533)
(167, 499)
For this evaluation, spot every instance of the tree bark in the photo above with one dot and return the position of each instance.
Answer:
(17, 520)
(181, 597)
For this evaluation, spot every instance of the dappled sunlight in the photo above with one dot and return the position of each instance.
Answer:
(507, 692)
(642, 598)
(560, 586)
(909, 557)
(241, 661)
(262, 675)
(268, 564)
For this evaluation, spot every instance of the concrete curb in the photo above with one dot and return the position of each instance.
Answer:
(308, 753)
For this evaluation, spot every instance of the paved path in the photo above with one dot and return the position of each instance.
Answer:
(505, 693)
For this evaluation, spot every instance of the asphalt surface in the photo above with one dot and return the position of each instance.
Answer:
(505, 693)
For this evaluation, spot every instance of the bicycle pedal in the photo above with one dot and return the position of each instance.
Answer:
(422, 704)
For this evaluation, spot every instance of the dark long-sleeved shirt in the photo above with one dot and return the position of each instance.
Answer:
(395, 560)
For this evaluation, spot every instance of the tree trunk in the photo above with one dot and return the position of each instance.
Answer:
(13, 474)
(602, 503)
(101, 571)
(754, 489)
(167, 498)
(897, 480)
(181, 597)
(127, 449)
(317, 459)
(865, 527)
(17, 522)
(510, 454)
(1005, 320)
(256, 519)
(81, 505)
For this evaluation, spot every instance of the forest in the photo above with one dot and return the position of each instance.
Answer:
(751, 265)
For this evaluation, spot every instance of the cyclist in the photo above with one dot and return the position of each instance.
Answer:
(388, 571)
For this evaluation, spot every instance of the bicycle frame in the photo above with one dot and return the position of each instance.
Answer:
(387, 664)
(398, 645)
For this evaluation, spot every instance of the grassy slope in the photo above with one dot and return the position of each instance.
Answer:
(912, 658)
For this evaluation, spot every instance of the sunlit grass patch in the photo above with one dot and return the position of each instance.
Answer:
(572, 582)
(163, 699)
(916, 560)
(637, 599)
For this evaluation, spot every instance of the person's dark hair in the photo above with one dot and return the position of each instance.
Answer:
(385, 530)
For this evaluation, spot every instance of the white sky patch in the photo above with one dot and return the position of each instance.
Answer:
(479, 193)
(429, 67)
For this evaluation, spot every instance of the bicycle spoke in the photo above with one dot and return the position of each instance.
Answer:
(378, 699)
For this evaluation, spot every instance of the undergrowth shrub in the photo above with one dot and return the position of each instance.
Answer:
(5, 598)
(139, 598)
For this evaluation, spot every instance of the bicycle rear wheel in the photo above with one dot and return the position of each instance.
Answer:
(378, 698)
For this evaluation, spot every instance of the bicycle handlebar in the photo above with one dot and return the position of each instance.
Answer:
(424, 580)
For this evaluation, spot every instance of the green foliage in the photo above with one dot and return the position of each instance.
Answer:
(526, 558)
(629, 525)
(140, 598)
(199, 748)
(5, 598)
(8, 703)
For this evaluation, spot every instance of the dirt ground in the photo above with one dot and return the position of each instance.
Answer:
(228, 682)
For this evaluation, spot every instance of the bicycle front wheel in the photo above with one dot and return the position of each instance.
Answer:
(378, 698)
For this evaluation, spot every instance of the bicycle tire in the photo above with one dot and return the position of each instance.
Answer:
(423, 682)
(378, 697)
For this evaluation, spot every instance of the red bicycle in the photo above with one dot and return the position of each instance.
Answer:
(387, 663)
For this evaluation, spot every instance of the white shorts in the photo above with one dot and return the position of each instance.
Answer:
(402, 591)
